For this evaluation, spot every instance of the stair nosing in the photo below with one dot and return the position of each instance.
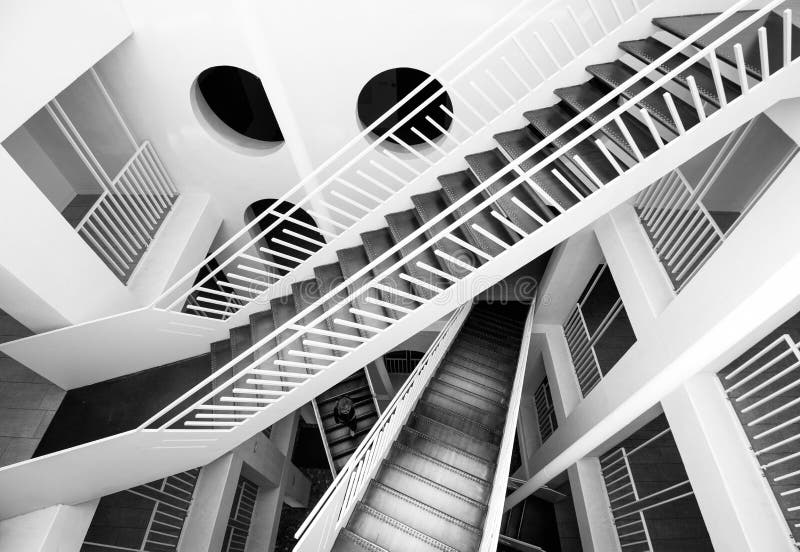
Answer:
(472, 381)
(461, 366)
(365, 544)
(436, 485)
(456, 430)
(462, 402)
(427, 507)
(442, 382)
(454, 413)
(488, 463)
(419, 535)
(443, 465)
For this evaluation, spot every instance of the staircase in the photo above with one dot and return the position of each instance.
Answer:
(562, 168)
(432, 490)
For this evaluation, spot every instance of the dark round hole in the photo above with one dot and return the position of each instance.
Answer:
(268, 240)
(237, 97)
(383, 91)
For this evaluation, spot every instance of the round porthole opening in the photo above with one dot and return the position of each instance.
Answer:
(386, 89)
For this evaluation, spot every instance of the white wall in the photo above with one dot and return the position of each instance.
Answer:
(45, 45)
(27, 152)
(322, 54)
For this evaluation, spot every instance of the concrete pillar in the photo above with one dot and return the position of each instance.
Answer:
(60, 528)
(558, 366)
(738, 506)
(568, 272)
(592, 506)
(643, 284)
(204, 530)
(49, 277)
(267, 513)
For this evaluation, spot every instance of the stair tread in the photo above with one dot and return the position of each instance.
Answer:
(347, 541)
(448, 454)
(328, 277)
(685, 26)
(387, 531)
(516, 142)
(376, 243)
(548, 120)
(485, 165)
(615, 73)
(650, 49)
(402, 225)
(443, 430)
(457, 185)
(582, 97)
(428, 205)
(353, 259)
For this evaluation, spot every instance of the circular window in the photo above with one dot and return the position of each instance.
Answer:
(386, 89)
(237, 98)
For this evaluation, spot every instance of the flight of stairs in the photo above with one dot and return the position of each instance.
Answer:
(432, 490)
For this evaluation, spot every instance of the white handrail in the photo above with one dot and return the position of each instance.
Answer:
(494, 513)
(358, 471)
(301, 189)
(298, 328)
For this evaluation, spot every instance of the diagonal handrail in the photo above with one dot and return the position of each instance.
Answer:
(292, 324)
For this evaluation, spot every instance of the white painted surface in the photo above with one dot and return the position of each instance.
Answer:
(592, 508)
(181, 244)
(51, 277)
(738, 507)
(46, 44)
(59, 528)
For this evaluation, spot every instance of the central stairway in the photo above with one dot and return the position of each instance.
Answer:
(432, 491)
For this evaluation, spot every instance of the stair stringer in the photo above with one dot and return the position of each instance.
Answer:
(63, 477)
(76, 349)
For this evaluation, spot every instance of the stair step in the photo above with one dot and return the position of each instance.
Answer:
(390, 533)
(376, 243)
(615, 73)
(357, 388)
(456, 186)
(484, 166)
(353, 259)
(650, 49)
(451, 477)
(432, 493)
(447, 454)
(477, 377)
(684, 26)
(550, 119)
(486, 349)
(582, 97)
(347, 541)
(515, 143)
(429, 205)
(425, 518)
(402, 225)
(328, 277)
(480, 363)
(471, 386)
(491, 420)
(467, 397)
(455, 437)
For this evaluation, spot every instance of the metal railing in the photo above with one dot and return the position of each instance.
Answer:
(124, 220)
(627, 506)
(582, 341)
(763, 392)
(496, 505)
(331, 513)
(244, 504)
(358, 178)
(171, 498)
(277, 384)
(545, 410)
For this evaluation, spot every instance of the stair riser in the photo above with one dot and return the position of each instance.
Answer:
(484, 405)
(461, 441)
(456, 420)
(454, 458)
(472, 387)
(451, 479)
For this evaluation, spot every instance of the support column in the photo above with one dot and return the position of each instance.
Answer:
(60, 528)
(643, 285)
(267, 513)
(204, 530)
(568, 272)
(592, 507)
(738, 506)
(558, 366)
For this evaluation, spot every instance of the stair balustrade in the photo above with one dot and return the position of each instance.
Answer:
(331, 513)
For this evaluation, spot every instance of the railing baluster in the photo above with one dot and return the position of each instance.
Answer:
(741, 68)
(698, 103)
(713, 62)
(763, 50)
